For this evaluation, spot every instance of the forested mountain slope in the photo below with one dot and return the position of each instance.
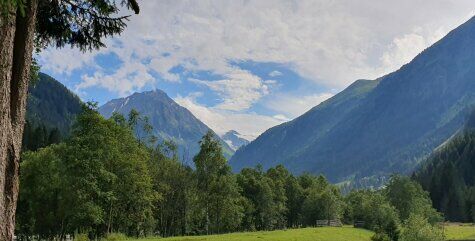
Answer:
(449, 176)
(52, 104)
(377, 127)
(50, 112)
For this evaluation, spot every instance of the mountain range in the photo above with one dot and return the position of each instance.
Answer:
(371, 129)
(169, 120)
(382, 126)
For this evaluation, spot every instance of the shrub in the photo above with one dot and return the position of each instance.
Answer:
(418, 228)
(380, 236)
(81, 237)
(114, 237)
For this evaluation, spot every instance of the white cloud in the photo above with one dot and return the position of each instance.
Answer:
(66, 60)
(331, 43)
(249, 125)
(295, 106)
(275, 73)
(238, 91)
(124, 81)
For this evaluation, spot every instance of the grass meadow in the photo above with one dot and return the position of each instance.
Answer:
(304, 234)
(453, 232)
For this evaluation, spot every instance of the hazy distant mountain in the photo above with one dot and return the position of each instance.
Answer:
(170, 121)
(51, 104)
(234, 139)
(377, 127)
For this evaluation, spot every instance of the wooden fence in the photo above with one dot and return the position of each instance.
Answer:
(328, 223)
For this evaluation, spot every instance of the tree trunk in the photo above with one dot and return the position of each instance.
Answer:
(16, 39)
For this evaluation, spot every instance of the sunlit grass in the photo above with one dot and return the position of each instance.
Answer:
(304, 234)
(460, 232)
(452, 232)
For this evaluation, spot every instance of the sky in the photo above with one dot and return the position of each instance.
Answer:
(248, 65)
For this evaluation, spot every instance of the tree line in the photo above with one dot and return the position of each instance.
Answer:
(102, 179)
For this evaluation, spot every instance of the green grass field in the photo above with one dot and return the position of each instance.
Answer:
(304, 234)
(452, 232)
(460, 232)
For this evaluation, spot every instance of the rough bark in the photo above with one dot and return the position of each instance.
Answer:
(16, 39)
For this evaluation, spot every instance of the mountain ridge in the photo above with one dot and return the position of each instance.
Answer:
(234, 139)
(409, 111)
(52, 104)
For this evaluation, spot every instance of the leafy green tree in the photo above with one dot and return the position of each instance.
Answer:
(295, 198)
(417, 228)
(218, 191)
(323, 202)
(175, 184)
(408, 198)
(278, 176)
(266, 196)
(101, 182)
(374, 210)
(107, 169)
(41, 210)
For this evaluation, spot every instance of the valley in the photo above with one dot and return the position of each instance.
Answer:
(238, 120)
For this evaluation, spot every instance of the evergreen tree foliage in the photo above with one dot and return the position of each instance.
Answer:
(81, 24)
(449, 176)
(35, 137)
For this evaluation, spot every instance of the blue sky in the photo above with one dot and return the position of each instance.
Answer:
(250, 65)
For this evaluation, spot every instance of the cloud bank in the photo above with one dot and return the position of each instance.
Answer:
(326, 42)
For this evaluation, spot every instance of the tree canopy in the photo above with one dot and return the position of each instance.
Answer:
(102, 179)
